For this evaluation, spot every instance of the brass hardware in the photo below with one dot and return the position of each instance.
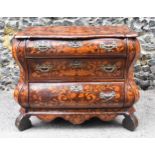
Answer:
(75, 44)
(108, 68)
(107, 95)
(108, 45)
(78, 88)
(42, 45)
(44, 68)
(76, 64)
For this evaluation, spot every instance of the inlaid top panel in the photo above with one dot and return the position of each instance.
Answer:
(71, 32)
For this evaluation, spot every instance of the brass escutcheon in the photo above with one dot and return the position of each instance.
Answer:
(75, 44)
(75, 88)
(76, 64)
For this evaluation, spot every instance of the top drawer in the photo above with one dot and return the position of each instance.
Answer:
(83, 48)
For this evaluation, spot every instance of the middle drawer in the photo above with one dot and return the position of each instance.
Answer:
(75, 69)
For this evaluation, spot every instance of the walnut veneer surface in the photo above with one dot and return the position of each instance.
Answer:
(76, 73)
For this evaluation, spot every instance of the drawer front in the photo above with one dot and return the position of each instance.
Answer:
(75, 69)
(53, 48)
(76, 95)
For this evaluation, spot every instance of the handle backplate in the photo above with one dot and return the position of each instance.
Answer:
(107, 95)
(44, 68)
(108, 46)
(42, 45)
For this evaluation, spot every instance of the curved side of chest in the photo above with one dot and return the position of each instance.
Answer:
(21, 90)
(131, 89)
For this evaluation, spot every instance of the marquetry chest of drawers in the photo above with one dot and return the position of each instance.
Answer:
(76, 73)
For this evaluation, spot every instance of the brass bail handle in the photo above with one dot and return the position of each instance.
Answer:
(44, 68)
(108, 68)
(107, 95)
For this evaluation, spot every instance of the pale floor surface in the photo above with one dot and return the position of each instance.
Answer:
(90, 129)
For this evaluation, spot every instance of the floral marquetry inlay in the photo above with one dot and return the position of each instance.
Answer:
(76, 95)
(76, 69)
(76, 73)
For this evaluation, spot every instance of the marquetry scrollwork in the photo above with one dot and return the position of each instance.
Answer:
(77, 95)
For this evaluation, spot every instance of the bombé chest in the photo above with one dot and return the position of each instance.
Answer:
(82, 68)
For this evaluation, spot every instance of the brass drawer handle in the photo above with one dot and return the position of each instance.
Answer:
(44, 68)
(107, 95)
(108, 46)
(75, 44)
(42, 45)
(76, 64)
(78, 88)
(108, 68)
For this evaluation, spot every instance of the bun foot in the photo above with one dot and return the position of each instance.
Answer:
(23, 122)
(130, 122)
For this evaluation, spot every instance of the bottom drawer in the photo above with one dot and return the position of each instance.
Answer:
(76, 95)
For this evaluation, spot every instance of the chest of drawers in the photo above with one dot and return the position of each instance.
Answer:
(76, 73)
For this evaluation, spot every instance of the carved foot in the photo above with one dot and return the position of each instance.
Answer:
(23, 122)
(130, 122)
